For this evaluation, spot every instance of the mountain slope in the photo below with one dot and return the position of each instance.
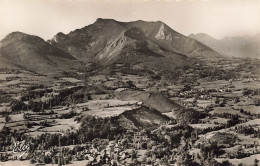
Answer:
(163, 35)
(87, 42)
(152, 99)
(143, 117)
(208, 40)
(33, 53)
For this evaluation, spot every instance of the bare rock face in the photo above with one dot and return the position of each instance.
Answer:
(160, 35)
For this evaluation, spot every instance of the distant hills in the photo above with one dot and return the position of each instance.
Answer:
(242, 46)
(152, 45)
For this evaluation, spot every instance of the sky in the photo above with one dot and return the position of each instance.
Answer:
(45, 18)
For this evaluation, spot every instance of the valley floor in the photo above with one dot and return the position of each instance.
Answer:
(206, 116)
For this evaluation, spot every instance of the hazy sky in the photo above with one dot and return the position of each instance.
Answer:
(45, 18)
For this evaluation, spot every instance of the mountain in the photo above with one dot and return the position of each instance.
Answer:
(166, 37)
(30, 52)
(143, 117)
(148, 44)
(238, 46)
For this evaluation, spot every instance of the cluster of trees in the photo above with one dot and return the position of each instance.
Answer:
(35, 92)
(184, 158)
(17, 105)
(95, 127)
(233, 119)
(79, 95)
(207, 154)
(205, 157)
(231, 122)
(192, 116)
(221, 103)
(245, 112)
(247, 130)
(257, 102)
(53, 157)
(209, 129)
(157, 155)
(223, 138)
(68, 115)
(65, 96)
(215, 73)
(247, 92)
(171, 136)
(4, 97)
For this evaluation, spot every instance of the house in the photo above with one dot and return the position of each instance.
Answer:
(124, 155)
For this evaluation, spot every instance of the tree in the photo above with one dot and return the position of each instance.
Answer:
(130, 84)
(24, 116)
(256, 162)
(33, 161)
(237, 100)
(7, 119)
(134, 154)
(186, 88)
(217, 101)
(144, 145)
(226, 163)
(184, 158)
(257, 102)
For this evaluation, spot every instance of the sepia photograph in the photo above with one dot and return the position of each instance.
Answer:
(129, 82)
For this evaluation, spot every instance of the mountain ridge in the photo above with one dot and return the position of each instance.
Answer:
(149, 45)
(156, 31)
